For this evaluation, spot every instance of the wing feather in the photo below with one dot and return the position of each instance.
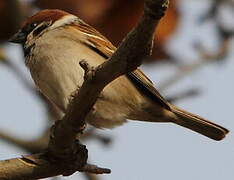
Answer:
(105, 48)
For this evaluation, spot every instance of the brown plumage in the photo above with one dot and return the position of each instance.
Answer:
(57, 43)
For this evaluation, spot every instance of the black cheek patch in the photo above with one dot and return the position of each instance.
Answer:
(27, 50)
(39, 29)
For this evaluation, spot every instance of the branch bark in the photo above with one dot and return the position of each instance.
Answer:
(36, 167)
(64, 154)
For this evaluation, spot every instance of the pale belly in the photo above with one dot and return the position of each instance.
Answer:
(57, 73)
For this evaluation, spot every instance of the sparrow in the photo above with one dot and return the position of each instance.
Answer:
(54, 42)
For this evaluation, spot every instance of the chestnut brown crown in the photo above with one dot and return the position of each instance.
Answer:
(45, 15)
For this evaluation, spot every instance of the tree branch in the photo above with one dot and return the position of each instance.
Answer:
(206, 58)
(36, 167)
(65, 155)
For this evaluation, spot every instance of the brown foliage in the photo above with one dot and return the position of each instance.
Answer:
(115, 18)
(11, 15)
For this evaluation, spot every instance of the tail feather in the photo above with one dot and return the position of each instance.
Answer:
(198, 124)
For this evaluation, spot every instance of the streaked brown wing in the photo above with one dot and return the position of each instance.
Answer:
(105, 48)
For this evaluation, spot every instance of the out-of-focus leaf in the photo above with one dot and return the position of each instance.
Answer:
(92, 9)
(124, 15)
(115, 18)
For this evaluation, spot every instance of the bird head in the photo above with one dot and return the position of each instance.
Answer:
(41, 22)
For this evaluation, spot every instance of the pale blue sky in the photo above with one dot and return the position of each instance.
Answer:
(142, 151)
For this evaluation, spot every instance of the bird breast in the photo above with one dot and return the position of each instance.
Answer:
(54, 66)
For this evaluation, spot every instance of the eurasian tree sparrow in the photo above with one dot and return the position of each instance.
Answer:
(54, 43)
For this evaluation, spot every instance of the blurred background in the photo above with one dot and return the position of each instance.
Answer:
(192, 66)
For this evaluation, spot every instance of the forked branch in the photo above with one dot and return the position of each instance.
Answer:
(65, 155)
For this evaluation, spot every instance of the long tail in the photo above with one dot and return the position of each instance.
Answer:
(199, 124)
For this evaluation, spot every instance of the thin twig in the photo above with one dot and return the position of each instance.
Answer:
(206, 58)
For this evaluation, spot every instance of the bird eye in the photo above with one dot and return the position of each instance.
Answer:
(27, 29)
(33, 25)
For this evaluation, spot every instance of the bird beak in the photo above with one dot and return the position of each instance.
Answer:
(18, 37)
